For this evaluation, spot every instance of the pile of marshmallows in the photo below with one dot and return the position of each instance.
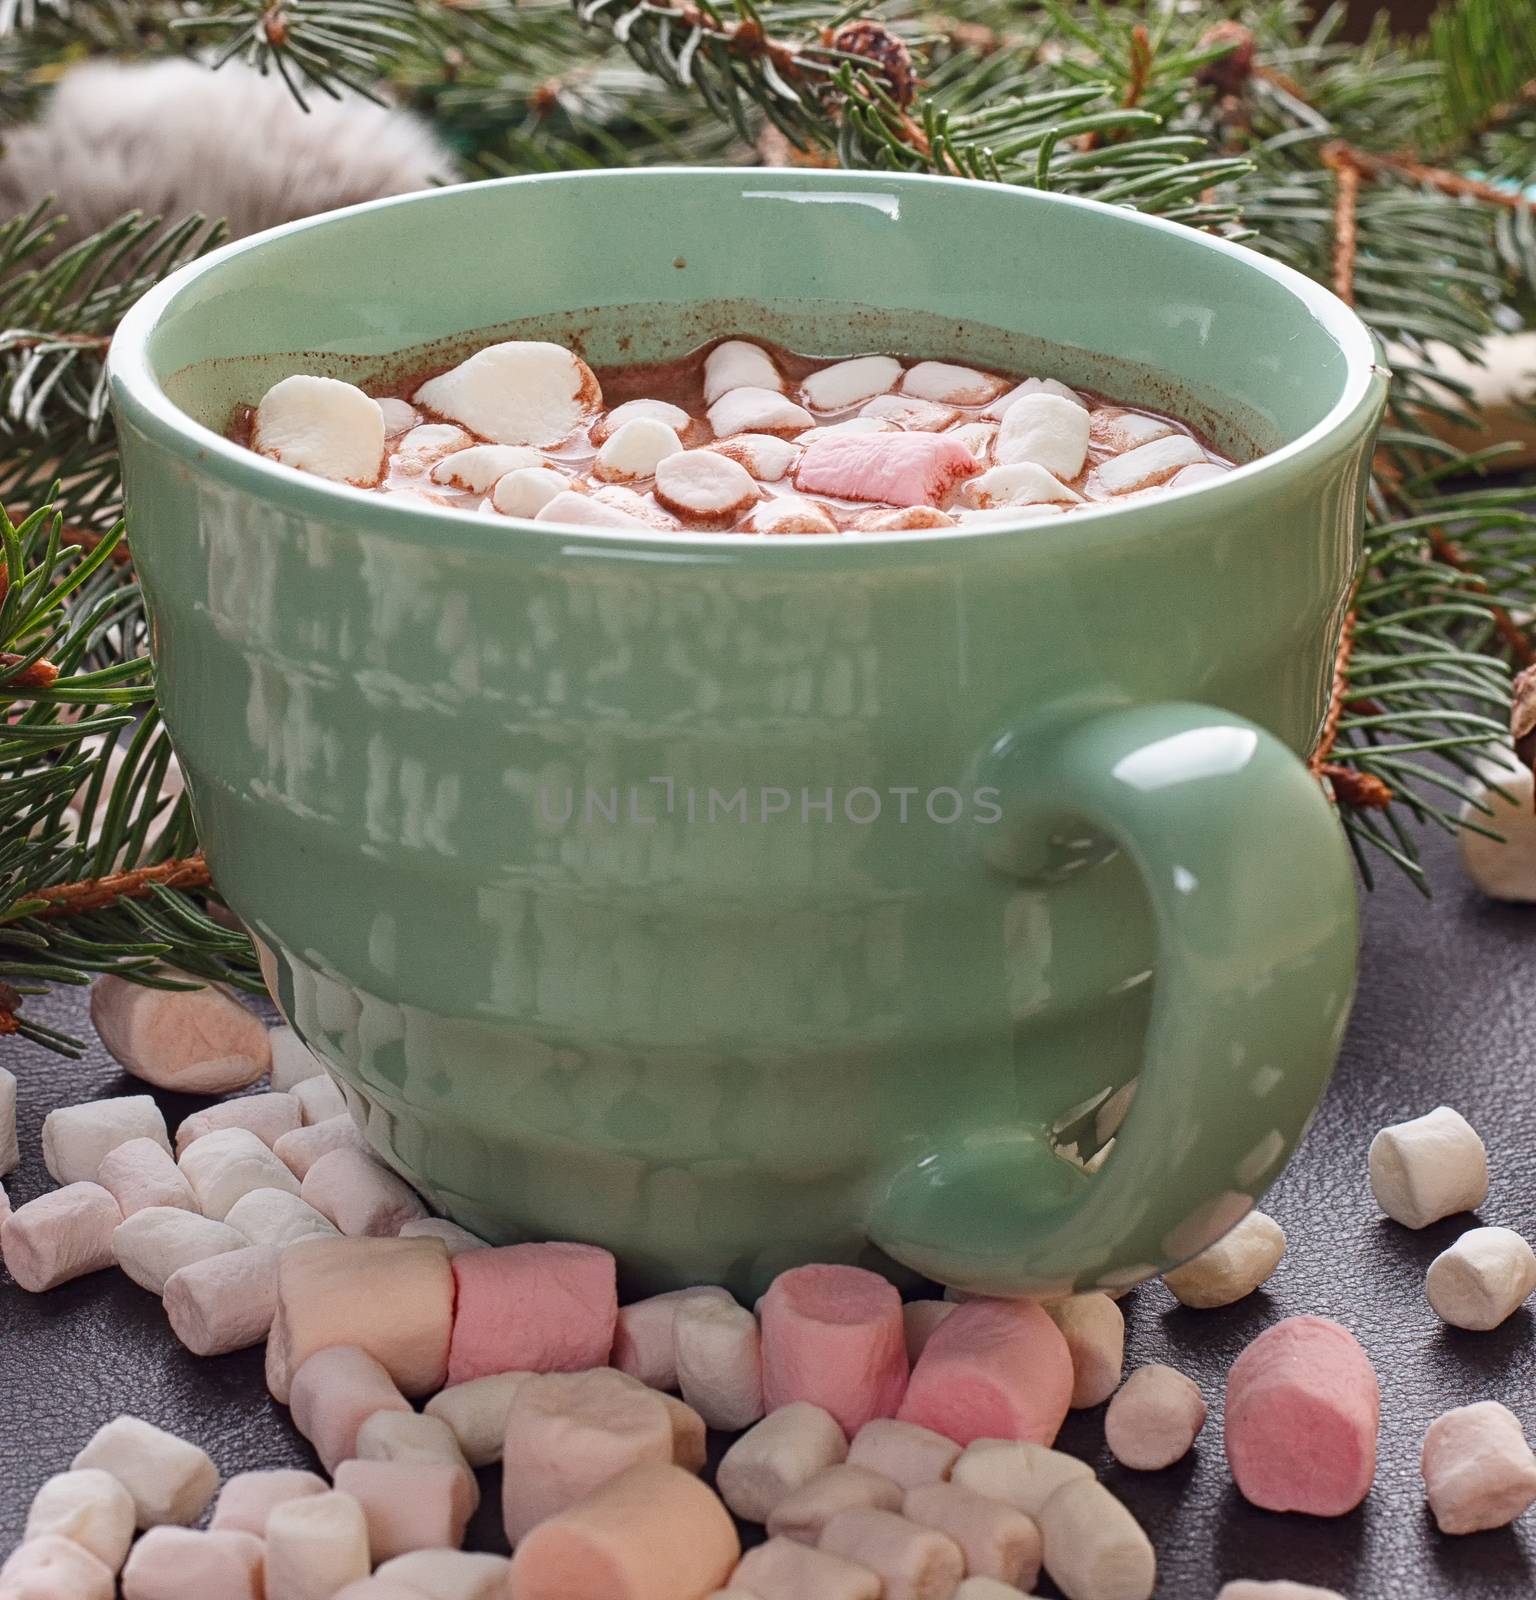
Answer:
(916, 434)
(892, 1452)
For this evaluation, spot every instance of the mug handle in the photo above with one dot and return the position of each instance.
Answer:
(1249, 882)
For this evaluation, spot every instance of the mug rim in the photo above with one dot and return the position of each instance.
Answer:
(140, 395)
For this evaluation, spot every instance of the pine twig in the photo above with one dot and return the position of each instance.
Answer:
(92, 894)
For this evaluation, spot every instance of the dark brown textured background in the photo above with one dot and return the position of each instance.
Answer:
(1444, 1014)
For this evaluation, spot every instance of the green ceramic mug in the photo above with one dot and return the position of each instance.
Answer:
(739, 902)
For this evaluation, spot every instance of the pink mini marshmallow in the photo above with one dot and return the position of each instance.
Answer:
(902, 469)
(997, 1541)
(913, 1562)
(903, 1452)
(225, 1302)
(409, 1505)
(803, 1514)
(360, 1195)
(268, 1116)
(919, 1319)
(197, 1041)
(181, 1564)
(834, 1336)
(532, 1308)
(783, 1569)
(643, 1336)
(141, 1174)
(1303, 1407)
(247, 1500)
(54, 1568)
(995, 1369)
(334, 1393)
(301, 1149)
(63, 1234)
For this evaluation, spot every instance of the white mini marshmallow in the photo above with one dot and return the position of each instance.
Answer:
(634, 450)
(804, 1513)
(735, 364)
(903, 1452)
(658, 410)
(846, 383)
(51, 1568)
(904, 519)
(276, 1217)
(10, 1150)
(920, 1318)
(223, 1166)
(324, 426)
(527, 491)
(831, 430)
(316, 1546)
(1024, 483)
(1482, 1279)
(523, 391)
(756, 410)
(268, 1116)
(1153, 1421)
(1093, 1548)
(224, 1302)
(399, 416)
(1429, 1168)
(456, 1238)
(319, 1100)
(977, 437)
(1045, 429)
(1124, 430)
(998, 1542)
(907, 411)
(63, 1234)
(360, 1194)
(170, 1480)
(5, 1204)
(1196, 473)
(477, 1413)
(152, 1244)
(1238, 1263)
(643, 1342)
(248, 1498)
(719, 1360)
(414, 1436)
(952, 385)
(789, 514)
(766, 456)
(1010, 516)
(1478, 1469)
(88, 1506)
(985, 1589)
(448, 1574)
(705, 485)
(333, 1393)
(777, 1456)
(292, 1060)
(584, 511)
(77, 1138)
(1147, 463)
(479, 466)
(1018, 1474)
(913, 1562)
(424, 446)
(141, 1173)
(301, 1149)
(1000, 406)
(184, 1564)
(197, 1041)
(785, 1569)
(1503, 868)
(1280, 1589)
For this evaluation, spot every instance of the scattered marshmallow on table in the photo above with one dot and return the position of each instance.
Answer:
(170, 1480)
(1280, 1589)
(391, 1435)
(948, 384)
(569, 1433)
(331, 1291)
(10, 1150)
(334, 1393)
(152, 1244)
(998, 1541)
(183, 1564)
(1146, 464)
(225, 1302)
(1479, 1471)
(755, 409)
(919, 1319)
(783, 1569)
(1154, 1420)
(1045, 429)
(846, 383)
(274, 1216)
(196, 1041)
(360, 1194)
(1428, 1168)
(141, 1174)
(301, 1149)
(788, 1448)
(996, 1369)
(1019, 1474)
(903, 1452)
(292, 1060)
(61, 1235)
(447, 1575)
(1238, 1263)
(1094, 1328)
(1302, 1411)
(1503, 868)
(249, 1498)
(653, 1533)
(476, 1413)
(736, 364)
(319, 1100)
(532, 1308)
(690, 1436)
(77, 1139)
(985, 1589)
(323, 426)
(719, 1361)
(834, 1335)
(1482, 1279)
(643, 1335)
(521, 391)
(457, 1239)
(51, 1568)
(88, 1506)
(268, 1116)
(1093, 1548)
(315, 1545)
(223, 1166)
(408, 1505)
(912, 1562)
(704, 485)
(803, 1513)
